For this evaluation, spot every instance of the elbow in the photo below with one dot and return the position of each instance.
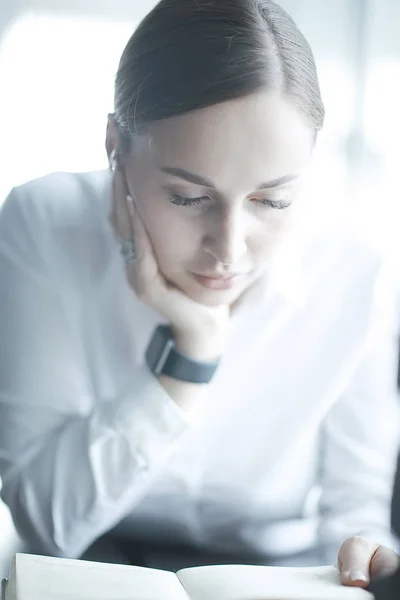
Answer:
(36, 527)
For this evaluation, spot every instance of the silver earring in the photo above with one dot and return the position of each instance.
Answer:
(129, 202)
(113, 160)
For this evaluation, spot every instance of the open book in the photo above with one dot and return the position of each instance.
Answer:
(41, 578)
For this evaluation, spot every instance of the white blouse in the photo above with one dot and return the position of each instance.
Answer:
(304, 398)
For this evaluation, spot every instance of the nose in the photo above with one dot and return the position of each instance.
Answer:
(226, 239)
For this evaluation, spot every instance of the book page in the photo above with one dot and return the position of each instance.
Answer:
(244, 582)
(43, 578)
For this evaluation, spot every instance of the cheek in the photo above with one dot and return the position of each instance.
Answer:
(269, 233)
(175, 241)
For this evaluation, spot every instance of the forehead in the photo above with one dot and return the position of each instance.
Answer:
(240, 142)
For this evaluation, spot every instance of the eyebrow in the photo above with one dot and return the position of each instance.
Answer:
(199, 180)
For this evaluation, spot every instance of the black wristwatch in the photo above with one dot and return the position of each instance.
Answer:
(162, 358)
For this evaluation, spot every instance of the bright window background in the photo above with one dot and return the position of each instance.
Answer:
(57, 74)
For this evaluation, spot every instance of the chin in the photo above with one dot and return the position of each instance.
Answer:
(210, 297)
(214, 297)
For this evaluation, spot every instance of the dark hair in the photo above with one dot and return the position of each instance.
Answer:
(190, 54)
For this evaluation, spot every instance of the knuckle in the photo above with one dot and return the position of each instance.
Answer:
(356, 543)
(355, 540)
(142, 294)
(359, 541)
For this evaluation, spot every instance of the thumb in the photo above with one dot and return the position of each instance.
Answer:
(354, 561)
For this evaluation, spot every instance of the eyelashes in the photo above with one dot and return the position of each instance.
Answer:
(276, 204)
(182, 201)
(265, 203)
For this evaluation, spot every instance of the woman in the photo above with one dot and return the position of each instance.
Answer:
(271, 372)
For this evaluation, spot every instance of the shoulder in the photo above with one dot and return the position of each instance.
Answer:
(60, 198)
(59, 222)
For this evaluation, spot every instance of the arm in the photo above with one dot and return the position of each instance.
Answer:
(360, 440)
(71, 467)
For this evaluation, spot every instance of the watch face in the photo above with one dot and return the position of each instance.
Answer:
(159, 348)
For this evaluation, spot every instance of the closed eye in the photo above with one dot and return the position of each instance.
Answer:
(264, 202)
(275, 204)
(182, 201)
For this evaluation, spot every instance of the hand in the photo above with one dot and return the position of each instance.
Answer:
(361, 560)
(198, 329)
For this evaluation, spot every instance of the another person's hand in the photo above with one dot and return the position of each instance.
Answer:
(198, 329)
(361, 560)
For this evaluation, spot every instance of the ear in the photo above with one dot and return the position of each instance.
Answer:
(111, 138)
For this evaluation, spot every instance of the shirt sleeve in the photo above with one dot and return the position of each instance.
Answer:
(71, 467)
(360, 438)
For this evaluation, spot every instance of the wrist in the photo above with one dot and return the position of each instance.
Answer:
(198, 348)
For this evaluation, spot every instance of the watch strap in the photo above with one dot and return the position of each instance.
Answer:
(164, 359)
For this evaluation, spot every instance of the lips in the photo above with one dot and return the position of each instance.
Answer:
(224, 277)
(218, 282)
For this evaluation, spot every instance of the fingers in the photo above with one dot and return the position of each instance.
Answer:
(361, 560)
(119, 217)
(144, 249)
(143, 272)
(354, 561)
(384, 562)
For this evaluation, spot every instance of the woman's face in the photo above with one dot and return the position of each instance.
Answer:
(216, 188)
